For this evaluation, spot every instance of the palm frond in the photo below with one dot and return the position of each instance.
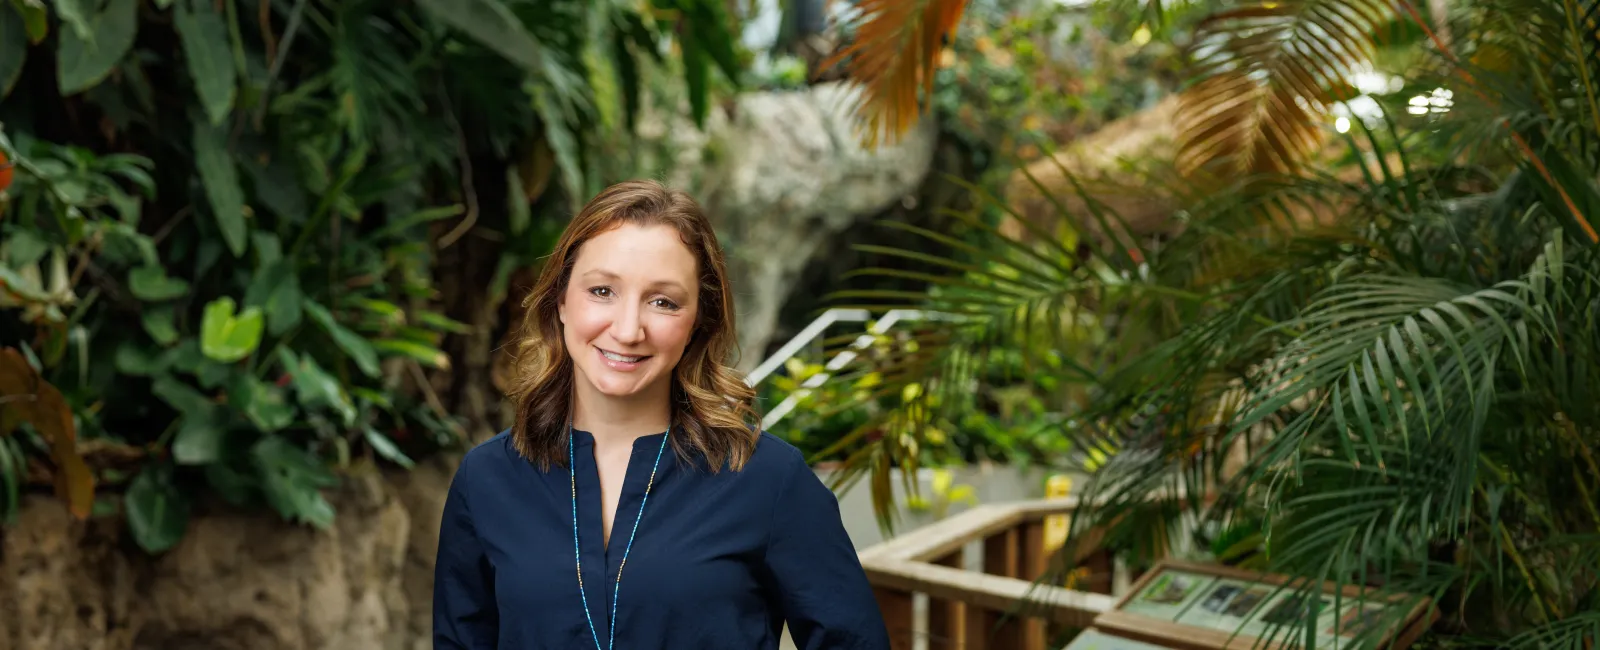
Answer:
(893, 55)
(1267, 72)
(1579, 632)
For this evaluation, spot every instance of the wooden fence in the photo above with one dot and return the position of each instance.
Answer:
(1002, 607)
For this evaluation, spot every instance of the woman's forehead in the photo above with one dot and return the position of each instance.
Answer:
(650, 254)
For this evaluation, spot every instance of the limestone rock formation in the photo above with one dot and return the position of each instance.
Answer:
(237, 581)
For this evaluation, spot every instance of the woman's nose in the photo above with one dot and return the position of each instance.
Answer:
(628, 328)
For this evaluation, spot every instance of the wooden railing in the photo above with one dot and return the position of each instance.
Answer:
(1002, 607)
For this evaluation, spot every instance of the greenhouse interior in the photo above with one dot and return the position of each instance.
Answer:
(999, 324)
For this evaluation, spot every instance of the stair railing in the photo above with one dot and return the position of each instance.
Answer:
(840, 360)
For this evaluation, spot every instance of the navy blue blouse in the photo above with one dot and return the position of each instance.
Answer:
(720, 560)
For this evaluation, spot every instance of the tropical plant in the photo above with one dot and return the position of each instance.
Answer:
(231, 259)
(1363, 355)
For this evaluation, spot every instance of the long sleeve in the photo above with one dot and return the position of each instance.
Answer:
(465, 615)
(822, 590)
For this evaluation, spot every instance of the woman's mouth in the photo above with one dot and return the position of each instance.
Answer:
(621, 361)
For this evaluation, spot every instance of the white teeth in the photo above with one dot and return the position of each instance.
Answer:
(617, 357)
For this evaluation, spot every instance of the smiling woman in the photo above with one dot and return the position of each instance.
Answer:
(630, 330)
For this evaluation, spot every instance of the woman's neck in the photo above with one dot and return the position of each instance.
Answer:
(613, 420)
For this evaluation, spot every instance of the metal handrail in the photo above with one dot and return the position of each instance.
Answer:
(811, 332)
(815, 329)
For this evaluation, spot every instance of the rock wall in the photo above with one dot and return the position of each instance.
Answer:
(238, 581)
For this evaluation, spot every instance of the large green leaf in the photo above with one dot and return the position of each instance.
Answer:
(82, 63)
(562, 140)
(491, 23)
(227, 336)
(387, 449)
(35, 19)
(13, 48)
(262, 403)
(696, 71)
(424, 353)
(314, 387)
(160, 323)
(206, 50)
(136, 358)
(276, 290)
(292, 480)
(158, 512)
(201, 437)
(716, 32)
(220, 176)
(78, 16)
(203, 424)
(355, 345)
(152, 283)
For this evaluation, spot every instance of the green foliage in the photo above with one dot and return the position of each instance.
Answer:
(1013, 418)
(222, 241)
(1023, 75)
(1378, 371)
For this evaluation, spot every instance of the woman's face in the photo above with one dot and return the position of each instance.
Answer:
(629, 310)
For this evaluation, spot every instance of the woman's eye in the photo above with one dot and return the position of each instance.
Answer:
(663, 303)
(603, 292)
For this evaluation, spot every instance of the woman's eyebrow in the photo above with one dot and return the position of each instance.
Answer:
(658, 284)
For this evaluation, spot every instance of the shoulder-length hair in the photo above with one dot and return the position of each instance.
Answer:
(713, 409)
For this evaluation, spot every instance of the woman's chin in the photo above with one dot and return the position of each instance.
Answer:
(622, 387)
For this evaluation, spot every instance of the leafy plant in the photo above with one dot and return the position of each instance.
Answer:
(221, 265)
(1356, 362)
(893, 54)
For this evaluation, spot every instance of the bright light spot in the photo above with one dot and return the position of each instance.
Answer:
(1376, 83)
(1142, 35)
(1342, 125)
(1439, 100)
(1364, 108)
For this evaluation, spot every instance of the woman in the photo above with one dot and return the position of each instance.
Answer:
(715, 544)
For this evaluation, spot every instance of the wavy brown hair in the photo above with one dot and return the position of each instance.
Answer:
(713, 409)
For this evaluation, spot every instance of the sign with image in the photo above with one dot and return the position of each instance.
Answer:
(1205, 607)
(1169, 594)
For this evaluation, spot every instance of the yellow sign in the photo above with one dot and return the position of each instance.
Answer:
(1056, 526)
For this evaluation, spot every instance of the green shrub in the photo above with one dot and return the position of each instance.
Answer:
(220, 273)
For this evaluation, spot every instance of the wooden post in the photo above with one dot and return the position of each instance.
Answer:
(1001, 558)
(947, 619)
(897, 616)
(1033, 563)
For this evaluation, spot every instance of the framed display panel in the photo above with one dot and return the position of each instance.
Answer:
(1209, 607)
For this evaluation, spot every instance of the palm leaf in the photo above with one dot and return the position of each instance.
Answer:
(1267, 73)
(893, 57)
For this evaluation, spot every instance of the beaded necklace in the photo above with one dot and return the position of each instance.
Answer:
(572, 470)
